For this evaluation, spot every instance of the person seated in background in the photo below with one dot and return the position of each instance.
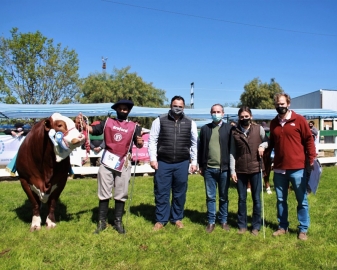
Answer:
(97, 146)
(18, 130)
(314, 130)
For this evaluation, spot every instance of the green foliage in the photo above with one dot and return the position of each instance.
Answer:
(72, 244)
(258, 95)
(105, 88)
(34, 71)
(232, 104)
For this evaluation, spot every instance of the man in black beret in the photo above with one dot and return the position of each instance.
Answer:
(115, 169)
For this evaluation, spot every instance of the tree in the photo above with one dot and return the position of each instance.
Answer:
(101, 87)
(34, 71)
(258, 95)
(105, 88)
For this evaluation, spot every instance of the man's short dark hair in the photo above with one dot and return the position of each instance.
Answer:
(312, 122)
(178, 98)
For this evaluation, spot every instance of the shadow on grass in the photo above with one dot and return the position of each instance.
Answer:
(147, 211)
(24, 212)
(201, 217)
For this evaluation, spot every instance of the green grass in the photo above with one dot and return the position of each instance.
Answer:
(72, 244)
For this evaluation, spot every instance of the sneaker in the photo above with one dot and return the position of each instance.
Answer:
(242, 230)
(255, 232)
(302, 236)
(269, 191)
(179, 224)
(249, 190)
(158, 226)
(279, 232)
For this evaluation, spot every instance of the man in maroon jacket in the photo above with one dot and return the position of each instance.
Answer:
(290, 136)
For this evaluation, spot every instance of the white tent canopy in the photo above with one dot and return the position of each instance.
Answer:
(26, 111)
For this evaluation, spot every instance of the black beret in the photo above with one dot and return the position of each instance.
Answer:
(127, 102)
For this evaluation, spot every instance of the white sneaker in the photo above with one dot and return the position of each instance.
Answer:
(269, 191)
(248, 190)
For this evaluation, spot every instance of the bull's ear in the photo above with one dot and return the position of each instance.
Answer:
(47, 124)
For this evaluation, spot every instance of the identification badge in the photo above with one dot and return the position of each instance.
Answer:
(112, 161)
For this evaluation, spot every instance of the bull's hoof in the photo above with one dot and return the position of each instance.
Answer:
(35, 228)
(50, 227)
(50, 224)
(36, 224)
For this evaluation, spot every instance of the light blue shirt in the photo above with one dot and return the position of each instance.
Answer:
(153, 141)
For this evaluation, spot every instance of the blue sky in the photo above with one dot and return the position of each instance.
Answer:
(218, 45)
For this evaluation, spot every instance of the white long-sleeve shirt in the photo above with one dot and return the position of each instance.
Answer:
(154, 135)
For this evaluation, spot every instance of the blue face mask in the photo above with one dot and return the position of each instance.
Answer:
(216, 117)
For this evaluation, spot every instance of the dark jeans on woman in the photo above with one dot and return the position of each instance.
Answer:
(256, 186)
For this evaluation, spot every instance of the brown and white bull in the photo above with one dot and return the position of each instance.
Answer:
(43, 163)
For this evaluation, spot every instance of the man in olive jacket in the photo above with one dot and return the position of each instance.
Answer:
(213, 159)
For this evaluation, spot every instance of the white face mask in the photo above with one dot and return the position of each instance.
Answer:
(216, 117)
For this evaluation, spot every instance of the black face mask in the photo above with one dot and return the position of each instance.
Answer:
(122, 115)
(281, 110)
(245, 122)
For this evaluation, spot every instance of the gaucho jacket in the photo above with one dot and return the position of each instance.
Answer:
(224, 143)
(174, 141)
(246, 155)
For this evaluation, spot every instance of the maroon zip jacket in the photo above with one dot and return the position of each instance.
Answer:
(292, 143)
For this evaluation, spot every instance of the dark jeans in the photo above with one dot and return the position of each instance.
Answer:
(170, 177)
(256, 188)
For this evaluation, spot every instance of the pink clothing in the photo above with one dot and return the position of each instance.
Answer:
(292, 142)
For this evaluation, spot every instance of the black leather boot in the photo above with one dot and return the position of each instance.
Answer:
(119, 210)
(103, 208)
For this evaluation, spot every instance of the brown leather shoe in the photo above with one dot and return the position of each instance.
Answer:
(302, 236)
(158, 226)
(279, 232)
(255, 232)
(242, 230)
(210, 227)
(179, 224)
(225, 226)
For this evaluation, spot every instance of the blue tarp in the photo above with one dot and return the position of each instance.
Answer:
(25, 111)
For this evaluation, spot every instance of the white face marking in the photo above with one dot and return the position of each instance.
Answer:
(72, 132)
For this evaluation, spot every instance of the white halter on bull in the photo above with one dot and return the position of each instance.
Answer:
(62, 141)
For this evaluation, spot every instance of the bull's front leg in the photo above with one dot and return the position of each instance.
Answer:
(56, 190)
(53, 198)
(36, 205)
(50, 221)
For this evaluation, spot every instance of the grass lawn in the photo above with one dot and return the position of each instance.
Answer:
(72, 244)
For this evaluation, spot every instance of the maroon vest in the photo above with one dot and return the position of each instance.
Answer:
(118, 137)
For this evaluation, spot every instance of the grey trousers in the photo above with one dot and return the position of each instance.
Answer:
(108, 179)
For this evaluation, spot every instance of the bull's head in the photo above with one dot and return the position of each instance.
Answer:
(63, 134)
